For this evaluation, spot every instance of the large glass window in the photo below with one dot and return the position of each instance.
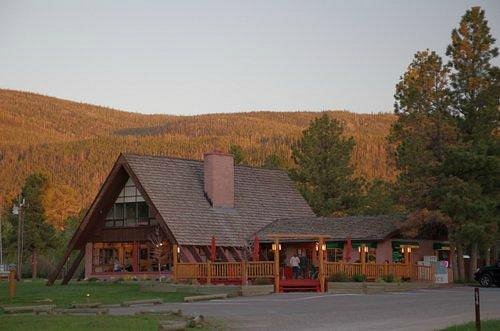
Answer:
(129, 209)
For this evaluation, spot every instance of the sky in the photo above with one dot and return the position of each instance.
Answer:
(195, 57)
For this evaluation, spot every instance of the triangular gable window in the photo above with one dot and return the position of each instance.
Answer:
(130, 209)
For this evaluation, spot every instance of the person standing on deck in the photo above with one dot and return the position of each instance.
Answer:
(295, 263)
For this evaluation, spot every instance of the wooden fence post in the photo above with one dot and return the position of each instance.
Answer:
(174, 257)
(209, 272)
(244, 275)
(12, 284)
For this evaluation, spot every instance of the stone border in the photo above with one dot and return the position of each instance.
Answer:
(372, 288)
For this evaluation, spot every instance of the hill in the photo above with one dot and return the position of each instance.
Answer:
(75, 144)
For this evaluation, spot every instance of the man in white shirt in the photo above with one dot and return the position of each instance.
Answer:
(295, 263)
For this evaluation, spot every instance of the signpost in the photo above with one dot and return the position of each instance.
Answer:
(478, 311)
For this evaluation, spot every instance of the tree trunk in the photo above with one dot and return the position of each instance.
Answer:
(473, 260)
(461, 267)
(454, 263)
(34, 265)
(487, 256)
(496, 258)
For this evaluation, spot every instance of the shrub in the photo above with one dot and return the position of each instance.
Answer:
(359, 278)
(263, 281)
(338, 277)
(92, 279)
(389, 278)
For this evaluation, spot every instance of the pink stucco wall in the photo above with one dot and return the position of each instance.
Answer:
(384, 252)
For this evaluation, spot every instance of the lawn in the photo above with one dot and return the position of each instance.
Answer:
(77, 323)
(491, 325)
(36, 292)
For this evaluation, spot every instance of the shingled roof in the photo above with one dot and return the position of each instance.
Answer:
(175, 187)
(356, 227)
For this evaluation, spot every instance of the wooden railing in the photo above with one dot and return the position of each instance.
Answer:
(266, 269)
(375, 271)
(224, 270)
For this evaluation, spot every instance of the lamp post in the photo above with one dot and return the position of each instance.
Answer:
(18, 210)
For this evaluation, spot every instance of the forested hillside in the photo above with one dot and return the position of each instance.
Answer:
(75, 144)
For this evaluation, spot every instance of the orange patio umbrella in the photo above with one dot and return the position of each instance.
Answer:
(256, 249)
(347, 252)
(213, 253)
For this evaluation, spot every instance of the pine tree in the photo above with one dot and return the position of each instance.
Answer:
(38, 234)
(473, 165)
(474, 79)
(324, 172)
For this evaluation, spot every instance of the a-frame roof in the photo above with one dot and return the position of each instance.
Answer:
(175, 188)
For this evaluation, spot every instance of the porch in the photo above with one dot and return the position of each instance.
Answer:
(275, 271)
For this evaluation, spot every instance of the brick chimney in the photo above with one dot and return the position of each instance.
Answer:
(218, 170)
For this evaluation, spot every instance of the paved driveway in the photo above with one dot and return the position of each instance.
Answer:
(417, 310)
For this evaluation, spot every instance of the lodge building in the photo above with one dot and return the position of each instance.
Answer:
(152, 210)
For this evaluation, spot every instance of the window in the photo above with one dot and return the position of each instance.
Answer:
(129, 209)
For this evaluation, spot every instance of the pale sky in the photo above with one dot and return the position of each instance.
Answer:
(194, 57)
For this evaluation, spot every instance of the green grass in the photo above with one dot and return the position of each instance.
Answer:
(77, 323)
(491, 325)
(36, 293)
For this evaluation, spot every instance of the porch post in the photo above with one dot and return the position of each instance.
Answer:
(321, 265)
(209, 272)
(407, 260)
(136, 257)
(276, 265)
(174, 262)
(362, 255)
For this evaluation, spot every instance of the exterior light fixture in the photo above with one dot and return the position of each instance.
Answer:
(406, 249)
(178, 249)
(323, 247)
(274, 247)
(317, 246)
(366, 249)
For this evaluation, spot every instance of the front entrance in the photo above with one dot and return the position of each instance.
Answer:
(305, 254)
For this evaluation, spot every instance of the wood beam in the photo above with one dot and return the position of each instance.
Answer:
(73, 268)
(321, 265)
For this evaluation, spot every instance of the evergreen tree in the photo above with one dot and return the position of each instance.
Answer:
(379, 198)
(472, 167)
(324, 173)
(274, 161)
(474, 79)
(238, 154)
(38, 234)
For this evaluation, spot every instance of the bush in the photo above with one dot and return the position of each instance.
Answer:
(338, 277)
(92, 279)
(359, 278)
(389, 278)
(263, 281)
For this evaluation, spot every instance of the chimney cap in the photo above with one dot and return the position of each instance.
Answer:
(217, 152)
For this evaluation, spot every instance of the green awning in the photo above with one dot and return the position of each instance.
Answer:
(355, 244)
(334, 244)
(368, 244)
(441, 246)
(397, 244)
